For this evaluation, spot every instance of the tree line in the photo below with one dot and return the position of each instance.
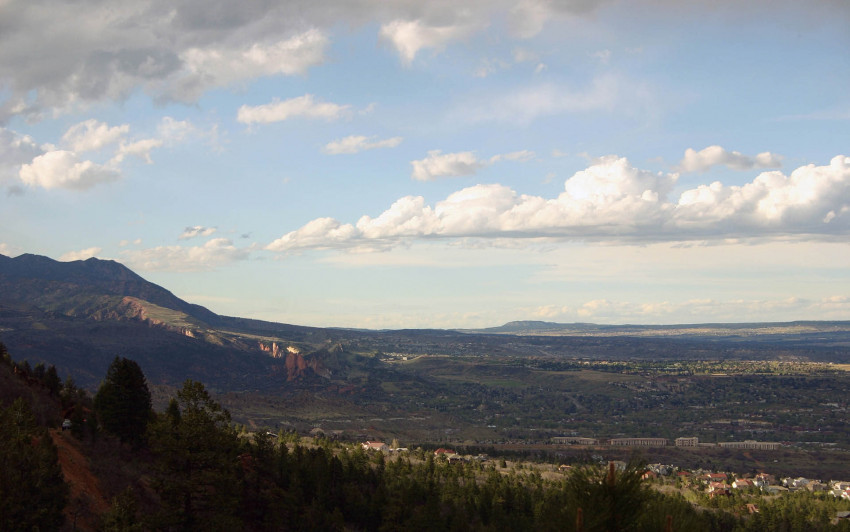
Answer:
(203, 475)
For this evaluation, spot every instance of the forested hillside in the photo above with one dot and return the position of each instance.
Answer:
(122, 466)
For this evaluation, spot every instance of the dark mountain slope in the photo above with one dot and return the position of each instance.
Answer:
(80, 286)
(79, 315)
(84, 348)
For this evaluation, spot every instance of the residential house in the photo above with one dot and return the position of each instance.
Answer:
(718, 488)
(817, 485)
(764, 479)
(649, 475)
(743, 483)
(375, 446)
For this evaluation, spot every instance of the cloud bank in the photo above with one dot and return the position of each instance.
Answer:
(178, 51)
(609, 200)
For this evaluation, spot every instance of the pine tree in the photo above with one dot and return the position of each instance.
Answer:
(609, 499)
(32, 489)
(122, 516)
(52, 380)
(196, 450)
(5, 357)
(123, 402)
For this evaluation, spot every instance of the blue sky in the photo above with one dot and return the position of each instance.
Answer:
(439, 164)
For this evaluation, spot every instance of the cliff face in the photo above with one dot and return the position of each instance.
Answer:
(134, 309)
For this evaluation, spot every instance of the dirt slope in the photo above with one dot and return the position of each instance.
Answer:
(86, 500)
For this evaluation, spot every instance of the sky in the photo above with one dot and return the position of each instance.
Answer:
(449, 164)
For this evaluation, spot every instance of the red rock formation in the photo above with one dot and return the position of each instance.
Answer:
(295, 366)
(273, 350)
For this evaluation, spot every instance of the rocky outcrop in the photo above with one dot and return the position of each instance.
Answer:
(273, 350)
(132, 308)
(298, 366)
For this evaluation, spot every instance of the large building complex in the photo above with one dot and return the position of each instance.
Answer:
(639, 442)
(574, 440)
(751, 444)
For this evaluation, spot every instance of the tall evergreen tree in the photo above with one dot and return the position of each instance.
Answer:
(32, 489)
(123, 402)
(196, 450)
(609, 499)
(5, 357)
(52, 380)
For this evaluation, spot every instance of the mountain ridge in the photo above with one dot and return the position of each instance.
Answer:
(119, 280)
(80, 314)
(111, 276)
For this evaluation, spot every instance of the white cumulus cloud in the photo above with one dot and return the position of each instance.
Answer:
(813, 198)
(277, 110)
(140, 148)
(64, 169)
(610, 200)
(212, 254)
(319, 233)
(700, 161)
(410, 36)
(15, 150)
(222, 66)
(439, 164)
(92, 135)
(358, 143)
